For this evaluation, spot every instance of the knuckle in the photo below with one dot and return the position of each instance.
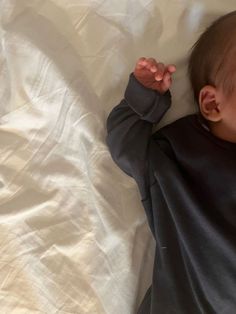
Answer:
(141, 59)
(151, 61)
(161, 65)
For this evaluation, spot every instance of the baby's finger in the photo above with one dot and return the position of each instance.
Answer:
(160, 71)
(166, 80)
(141, 63)
(151, 64)
(171, 68)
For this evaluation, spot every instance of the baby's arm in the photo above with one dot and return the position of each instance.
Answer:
(129, 125)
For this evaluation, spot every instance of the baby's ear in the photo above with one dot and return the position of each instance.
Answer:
(209, 103)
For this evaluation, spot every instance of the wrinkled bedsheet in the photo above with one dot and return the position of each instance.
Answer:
(73, 233)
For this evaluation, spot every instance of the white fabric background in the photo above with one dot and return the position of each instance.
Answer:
(73, 233)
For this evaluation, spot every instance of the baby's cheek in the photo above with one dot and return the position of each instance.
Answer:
(230, 116)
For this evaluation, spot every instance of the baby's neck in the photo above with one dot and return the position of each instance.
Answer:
(223, 131)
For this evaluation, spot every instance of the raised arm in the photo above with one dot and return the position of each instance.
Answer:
(129, 125)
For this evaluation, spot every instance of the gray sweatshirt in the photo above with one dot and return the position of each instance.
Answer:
(187, 182)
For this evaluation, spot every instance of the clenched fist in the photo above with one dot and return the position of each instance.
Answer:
(153, 74)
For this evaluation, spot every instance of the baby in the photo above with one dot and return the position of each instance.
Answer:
(186, 175)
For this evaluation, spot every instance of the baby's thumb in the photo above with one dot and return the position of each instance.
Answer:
(166, 82)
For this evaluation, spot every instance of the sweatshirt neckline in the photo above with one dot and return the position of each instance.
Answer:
(198, 122)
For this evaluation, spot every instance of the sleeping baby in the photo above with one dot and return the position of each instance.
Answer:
(186, 174)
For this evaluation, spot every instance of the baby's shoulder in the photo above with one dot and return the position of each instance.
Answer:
(179, 127)
(175, 136)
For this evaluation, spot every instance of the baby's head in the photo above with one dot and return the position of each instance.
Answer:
(212, 73)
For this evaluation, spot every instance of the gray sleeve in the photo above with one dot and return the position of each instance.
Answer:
(129, 128)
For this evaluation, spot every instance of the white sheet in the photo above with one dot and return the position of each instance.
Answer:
(73, 234)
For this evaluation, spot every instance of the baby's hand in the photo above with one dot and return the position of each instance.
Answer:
(153, 74)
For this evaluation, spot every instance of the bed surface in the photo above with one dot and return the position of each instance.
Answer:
(73, 234)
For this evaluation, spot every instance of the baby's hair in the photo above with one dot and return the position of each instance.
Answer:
(213, 57)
